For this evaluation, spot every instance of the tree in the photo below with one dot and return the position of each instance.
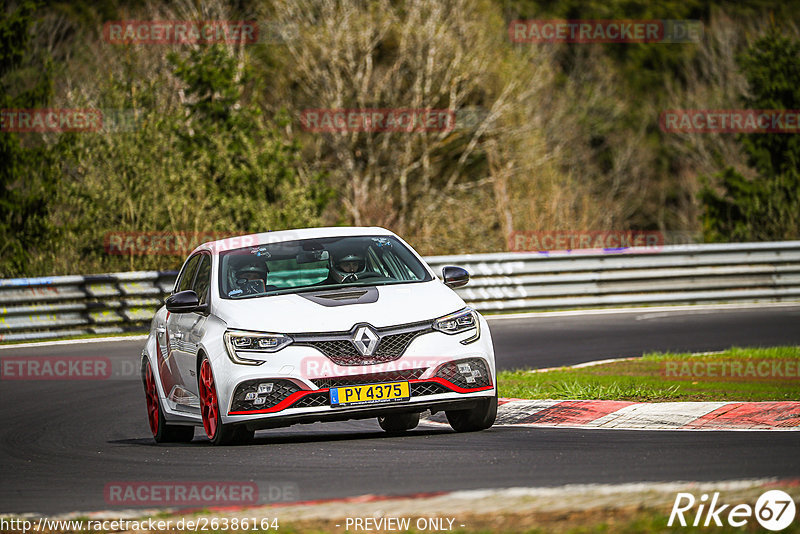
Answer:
(767, 207)
(250, 170)
(25, 82)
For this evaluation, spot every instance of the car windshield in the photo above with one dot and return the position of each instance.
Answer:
(321, 263)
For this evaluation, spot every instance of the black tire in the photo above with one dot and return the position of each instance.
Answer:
(233, 435)
(162, 432)
(479, 418)
(174, 433)
(399, 422)
(217, 432)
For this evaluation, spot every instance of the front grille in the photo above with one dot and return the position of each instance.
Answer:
(418, 389)
(421, 389)
(280, 390)
(313, 400)
(394, 346)
(372, 378)
(339, 348)
(283, 388)
(468, 374)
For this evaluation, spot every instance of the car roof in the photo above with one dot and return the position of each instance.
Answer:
(265, 238)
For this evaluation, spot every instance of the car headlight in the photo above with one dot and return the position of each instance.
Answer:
(458, 322)
(237, 341)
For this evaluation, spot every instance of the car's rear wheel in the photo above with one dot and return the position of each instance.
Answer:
(217, 432)
(162, 432)
(398, 422)
(479, 418)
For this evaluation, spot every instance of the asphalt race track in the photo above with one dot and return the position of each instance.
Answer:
(61, 442)
(569, 340)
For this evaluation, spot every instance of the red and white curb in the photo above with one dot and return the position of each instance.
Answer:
(624, 415)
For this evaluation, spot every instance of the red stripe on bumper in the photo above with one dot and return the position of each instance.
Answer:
(450, 385)
(282, 405)
(294, 397)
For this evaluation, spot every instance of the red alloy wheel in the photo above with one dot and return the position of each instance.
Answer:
(151, 395)
(208, 400)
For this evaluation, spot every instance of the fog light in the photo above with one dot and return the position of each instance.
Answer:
(260, 400)
(464, 368)
(265, 388)
(250, 396)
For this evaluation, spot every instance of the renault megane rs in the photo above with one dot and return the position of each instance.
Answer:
(322, 324)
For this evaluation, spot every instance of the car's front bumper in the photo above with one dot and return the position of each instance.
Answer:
(316, 415)
(309, 376)
(443, 387)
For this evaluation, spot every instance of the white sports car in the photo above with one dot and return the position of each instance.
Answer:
(321, 324)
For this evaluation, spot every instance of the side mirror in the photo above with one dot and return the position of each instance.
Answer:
(183, 302)
(455, 276)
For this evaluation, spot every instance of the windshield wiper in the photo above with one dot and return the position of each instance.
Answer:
(303, 289)
(333, 287)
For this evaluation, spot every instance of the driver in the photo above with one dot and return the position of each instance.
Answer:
(251, 278)
(346, 268)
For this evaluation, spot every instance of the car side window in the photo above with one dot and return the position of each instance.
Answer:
(203, 279)
(187, 274)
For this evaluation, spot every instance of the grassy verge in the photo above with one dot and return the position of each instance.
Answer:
(636, 508)
(622, 521)
(739, 374)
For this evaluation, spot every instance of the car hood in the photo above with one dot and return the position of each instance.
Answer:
(396, 304)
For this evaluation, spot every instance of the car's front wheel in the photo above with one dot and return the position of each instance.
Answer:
(399, 422)
(162, 432)
(479, 418)
(217, 432)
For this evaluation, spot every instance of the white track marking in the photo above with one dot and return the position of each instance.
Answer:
(668, 415)
(141, 337)
(644, 310)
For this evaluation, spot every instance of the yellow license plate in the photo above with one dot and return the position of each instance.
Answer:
(370, 394)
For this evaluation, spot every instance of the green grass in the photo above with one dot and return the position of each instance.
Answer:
(644, 379)
(598, 521)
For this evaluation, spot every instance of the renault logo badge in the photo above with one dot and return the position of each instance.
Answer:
(366, 340)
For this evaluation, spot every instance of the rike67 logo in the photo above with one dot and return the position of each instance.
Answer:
(774, 510)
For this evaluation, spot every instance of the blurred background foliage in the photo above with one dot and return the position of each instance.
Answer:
(548, 136)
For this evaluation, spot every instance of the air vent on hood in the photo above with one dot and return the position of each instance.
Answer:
(343, 297)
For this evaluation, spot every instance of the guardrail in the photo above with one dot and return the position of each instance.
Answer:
(39, 308)
(66, 306)
(682, 274)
